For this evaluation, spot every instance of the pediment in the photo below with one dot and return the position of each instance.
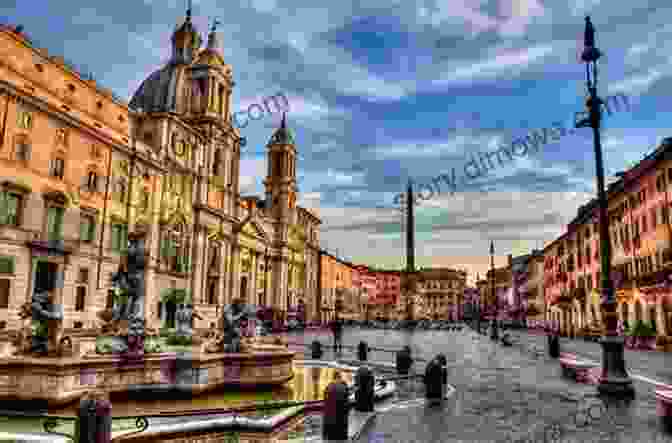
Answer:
(252, 228)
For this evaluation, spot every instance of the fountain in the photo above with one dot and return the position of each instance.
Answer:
(44, 367)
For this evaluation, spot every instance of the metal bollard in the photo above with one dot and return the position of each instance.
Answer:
(435, 380)
(554, 346)
(364, 396)
(443, 362)
(85, 431)
(94, 421)
(316, 350)
(103, 421)
(404, 361)
(336, 412)
(362, 351)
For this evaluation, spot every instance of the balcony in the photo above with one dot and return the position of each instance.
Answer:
(653, 278)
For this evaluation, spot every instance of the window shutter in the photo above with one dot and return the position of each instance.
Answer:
(92, 229)
(59, 224)
(115, 237)
(4, 210)
(164, 246)
(6, 265)
(187, 263)
(51, 223)
(84, 229)
(12, 209)
(179, 260)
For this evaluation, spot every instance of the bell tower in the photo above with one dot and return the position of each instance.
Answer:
(280, 180)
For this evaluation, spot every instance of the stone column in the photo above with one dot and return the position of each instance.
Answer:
(59, 304)
(222, 280)
(197, 247)
(660, 317)
(235, 271)
(280, 282)
(152, 253)
(252, 284)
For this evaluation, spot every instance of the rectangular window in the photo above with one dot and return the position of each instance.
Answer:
(83, 276)
(87, 228)
(119, 237)
(57, 168)
(5, 285)
(10, 204)
(55, 223)
(80, 298)
(666, 214)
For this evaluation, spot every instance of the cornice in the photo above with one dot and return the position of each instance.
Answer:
(49, 109)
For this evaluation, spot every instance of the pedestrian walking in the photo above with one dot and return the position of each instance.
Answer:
(337, 330)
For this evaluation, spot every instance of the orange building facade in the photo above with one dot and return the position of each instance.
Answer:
(80, 169)
(641, 258)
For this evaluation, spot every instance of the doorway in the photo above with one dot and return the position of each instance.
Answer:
(171, 308)
(46, 276)
(243, 288)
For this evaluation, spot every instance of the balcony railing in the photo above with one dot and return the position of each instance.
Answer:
(653, 278)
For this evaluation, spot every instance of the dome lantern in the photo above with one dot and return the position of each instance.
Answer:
(186, 41)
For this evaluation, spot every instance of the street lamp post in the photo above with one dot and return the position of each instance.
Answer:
(495, 332)
(615, 379)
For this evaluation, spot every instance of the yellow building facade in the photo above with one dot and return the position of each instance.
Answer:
(81, 169)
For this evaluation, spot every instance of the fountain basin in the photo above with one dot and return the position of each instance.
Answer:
(60, 381)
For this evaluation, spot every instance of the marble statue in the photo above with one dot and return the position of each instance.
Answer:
(233, 317)
(183, 319)
(45, 314)
(229, 338)
(128, 311)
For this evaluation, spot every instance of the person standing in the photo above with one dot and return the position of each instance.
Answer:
(337, 329)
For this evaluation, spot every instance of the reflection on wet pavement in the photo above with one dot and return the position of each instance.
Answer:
(502, 395)
(308, 384)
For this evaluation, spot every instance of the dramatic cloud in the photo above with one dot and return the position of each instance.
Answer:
(382, 92)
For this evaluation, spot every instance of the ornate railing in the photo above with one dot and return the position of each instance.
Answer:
(52, 422)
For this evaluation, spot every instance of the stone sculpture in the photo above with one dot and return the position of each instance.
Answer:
(183, 318)
(229, 340)
(127, 320)
(45, 314)
(233, 317)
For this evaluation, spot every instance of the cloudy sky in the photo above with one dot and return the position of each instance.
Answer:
(382, 92)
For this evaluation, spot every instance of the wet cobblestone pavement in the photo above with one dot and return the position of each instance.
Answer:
(502, 395)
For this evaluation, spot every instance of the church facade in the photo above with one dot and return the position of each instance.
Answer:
(80, 169)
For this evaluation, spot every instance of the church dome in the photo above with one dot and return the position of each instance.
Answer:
(158, 93)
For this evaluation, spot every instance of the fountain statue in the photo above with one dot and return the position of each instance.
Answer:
(183, 321)
(45, 316)
(126, 321)
(229, 339)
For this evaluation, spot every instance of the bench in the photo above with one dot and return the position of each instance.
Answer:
(580, 371)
